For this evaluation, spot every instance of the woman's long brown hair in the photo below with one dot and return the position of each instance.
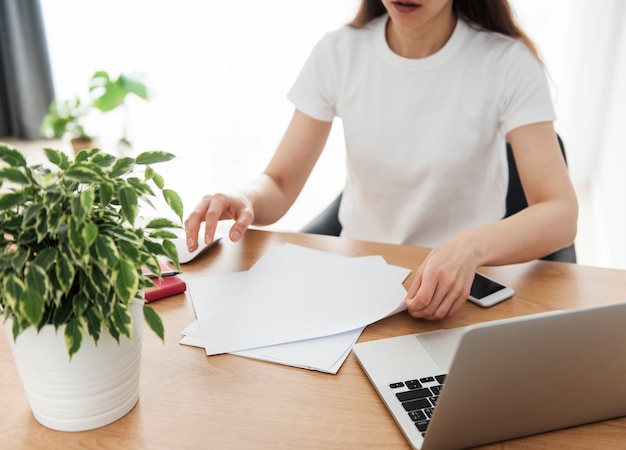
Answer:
(491, 15)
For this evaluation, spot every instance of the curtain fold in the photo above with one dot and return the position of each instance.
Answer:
(26, 87)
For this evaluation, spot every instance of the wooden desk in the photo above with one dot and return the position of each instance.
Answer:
(191, 401)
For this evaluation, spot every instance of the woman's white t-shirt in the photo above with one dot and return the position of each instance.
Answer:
(425, 138)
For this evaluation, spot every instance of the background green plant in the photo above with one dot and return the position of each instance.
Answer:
(65, 118)
(109, 93)
(70, 251)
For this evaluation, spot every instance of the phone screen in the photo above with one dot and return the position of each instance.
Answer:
(482, 287)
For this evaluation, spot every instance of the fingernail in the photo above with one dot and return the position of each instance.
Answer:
(234, 235)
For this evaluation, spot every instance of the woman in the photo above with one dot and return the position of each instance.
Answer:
(429, 92)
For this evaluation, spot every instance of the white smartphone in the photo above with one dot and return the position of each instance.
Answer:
(486, 292)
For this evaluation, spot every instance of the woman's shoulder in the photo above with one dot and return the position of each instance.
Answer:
(492, 43)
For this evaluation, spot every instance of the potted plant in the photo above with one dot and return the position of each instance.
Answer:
(65, 119)
(110, 93)
(71, 259)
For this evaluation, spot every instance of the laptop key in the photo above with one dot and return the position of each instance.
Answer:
(440, 378)
(422, 425)
(396, 385)
(417, 415)
(412, 405)
(413, 395)
(413, 384)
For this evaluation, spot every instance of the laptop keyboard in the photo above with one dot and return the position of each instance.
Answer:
(419, 397)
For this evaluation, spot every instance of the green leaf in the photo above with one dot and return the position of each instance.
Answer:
(89, 234)
(13, 175)
(133, 86)
(18, 260)
(154, 321)
(74, 235)
(12, 288)
(152, 264)
(125, 280)
(37, 279)
(57, 158)
(154, 157)
(163, 234)
(73, 336)
(31, 213)
(169, 248)
(79, 304)
(27, 237)
(153, 247)
(128, 251)
(97, 282)
(10, 200)
(77, 208)
(106, 194)
(52, 197)
(150, 174)
(140, 186)
(113, 331)
(53, 220)
(84, 173)
(87, 199)
(12, 156)
(62, 313)
(106, 249)
(124, 234)
(158, 180)
(128, 200)
(45, 258)
(122, 320)
(31, 305)
(103, 159)
(162, 223)
(65, 272)
(121, 167)
(94, 323)
(86, 154)
(174, 201)
(41, 226)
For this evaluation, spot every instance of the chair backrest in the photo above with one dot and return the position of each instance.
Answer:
(327, 222)
(516, 201)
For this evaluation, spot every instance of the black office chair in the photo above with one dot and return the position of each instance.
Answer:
(327, 222)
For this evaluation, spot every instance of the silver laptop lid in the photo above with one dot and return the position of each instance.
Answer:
(533, 374)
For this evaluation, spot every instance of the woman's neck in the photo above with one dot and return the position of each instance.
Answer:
(422, 41)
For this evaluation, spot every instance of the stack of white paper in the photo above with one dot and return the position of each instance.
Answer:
(295, 306)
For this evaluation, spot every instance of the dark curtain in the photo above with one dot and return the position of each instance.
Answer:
(26, 88)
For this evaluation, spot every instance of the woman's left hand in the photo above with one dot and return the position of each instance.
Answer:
(442, 283)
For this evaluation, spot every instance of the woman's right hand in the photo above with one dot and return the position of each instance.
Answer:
(267, 198)
(213, 208)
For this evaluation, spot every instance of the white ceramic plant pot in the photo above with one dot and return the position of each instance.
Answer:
(98, 386)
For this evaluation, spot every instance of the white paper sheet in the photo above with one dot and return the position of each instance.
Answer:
(324, 354)
(295, 306)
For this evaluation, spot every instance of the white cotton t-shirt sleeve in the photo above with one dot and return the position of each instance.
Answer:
(523, 90)
(314, 92)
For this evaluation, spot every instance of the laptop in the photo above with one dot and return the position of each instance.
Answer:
(504, 379)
